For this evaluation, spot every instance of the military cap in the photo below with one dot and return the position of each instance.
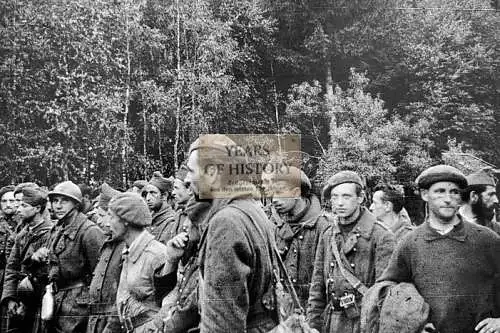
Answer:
(481, 177)
(131, 208)
(105, 195)
(20, 186)
(441, 173)
(162, 183)
(34, 196)
(6, 189)
(140, 184)
(345, 176)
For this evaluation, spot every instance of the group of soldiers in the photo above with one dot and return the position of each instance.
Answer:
(164, 256)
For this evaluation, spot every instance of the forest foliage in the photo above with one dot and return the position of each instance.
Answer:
(112, 90)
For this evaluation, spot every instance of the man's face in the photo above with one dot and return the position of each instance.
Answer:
(379, 206)
(27, 212)
(443, 200)
(489, 197)
(62, 205)
(153, 197)
(102, 216)
(8, 203)
(267, 184)
(200, 180)
(180, 192)
(116, 227)
(285, 197)
(18, 197)
(344, 200)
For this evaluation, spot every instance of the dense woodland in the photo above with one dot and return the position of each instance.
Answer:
(116, 89)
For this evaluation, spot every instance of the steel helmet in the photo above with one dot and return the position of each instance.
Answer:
(68, 189)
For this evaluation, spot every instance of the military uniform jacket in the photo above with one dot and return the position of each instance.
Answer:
(20, 265)
(164, 226)
(103, 288)
(74, 252)
(138, 293)
(8, 230)
(235, 269)
(298, 248)
(365, 251)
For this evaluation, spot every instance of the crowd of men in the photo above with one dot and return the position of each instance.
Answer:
(164, 256)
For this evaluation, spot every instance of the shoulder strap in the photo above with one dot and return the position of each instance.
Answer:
(274, 254)
(351, 278)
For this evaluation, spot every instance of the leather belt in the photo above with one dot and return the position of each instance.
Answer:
(131, 323)
(103, 308)
(73, 285)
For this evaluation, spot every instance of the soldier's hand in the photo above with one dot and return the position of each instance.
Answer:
(41, 254)
(488, 325)
(12, 308)
(176, 246)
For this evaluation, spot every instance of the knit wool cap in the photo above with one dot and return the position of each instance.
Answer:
(140, 184)
(480, 177)
(20, 186)
(34, 196)
(441, 173)
(162, 183)
(131, 208)
(105, 195)
(341, 177)
(6, 189)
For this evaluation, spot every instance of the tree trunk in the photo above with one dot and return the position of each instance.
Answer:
(276, 111)
(178, 110)
(127, 100)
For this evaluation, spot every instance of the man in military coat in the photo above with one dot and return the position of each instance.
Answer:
(299, 228)
(104, 285)
(235, 265)
(157, 196)
(24, 278)
(363, 246)
(72, 252)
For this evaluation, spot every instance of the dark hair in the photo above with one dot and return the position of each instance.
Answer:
(392, 195)
(472, 188)
(86, 190)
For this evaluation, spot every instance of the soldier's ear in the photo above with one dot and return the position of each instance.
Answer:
(361, 197)
(473, 197)
(424, 194)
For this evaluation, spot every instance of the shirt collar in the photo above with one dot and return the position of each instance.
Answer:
(458, 232)
(139, 245)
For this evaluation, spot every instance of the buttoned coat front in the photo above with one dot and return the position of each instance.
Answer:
(74, 251)
(365, 252)
(103, 288)
(298, 248)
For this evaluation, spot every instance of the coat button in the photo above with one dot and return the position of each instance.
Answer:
(352, 264)
(294, 280)
(294, 250)
(354, 249)
(332, 264)
(301, 237)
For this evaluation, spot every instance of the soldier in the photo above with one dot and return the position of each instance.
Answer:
(234, 258)
(139, 295)
(179, 311)
(480, 200)
(157, 195)
(351, 254)
(299, 228)
(72, 252)
(454, 264)
(104, 285)
(8, 227)
(181, 192)
(24, 279)
(387, 206)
